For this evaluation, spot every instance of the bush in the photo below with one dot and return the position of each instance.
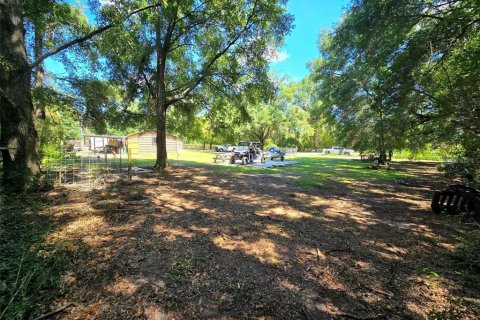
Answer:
(51, 151)
(467, 169)
(426, 154)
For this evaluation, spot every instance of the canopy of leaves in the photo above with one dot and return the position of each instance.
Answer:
(403, 71)
(216, 46)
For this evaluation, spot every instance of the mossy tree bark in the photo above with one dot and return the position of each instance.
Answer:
(16, 117)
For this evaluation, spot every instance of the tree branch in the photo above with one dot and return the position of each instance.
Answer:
(203, 74)
(88, 36)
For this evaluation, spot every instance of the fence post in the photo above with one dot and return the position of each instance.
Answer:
(129, 164)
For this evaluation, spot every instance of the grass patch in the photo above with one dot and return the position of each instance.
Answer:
(426, 154)
(29, 268)
(180, 272)
(312, 169)
(136, 193)
(320, 170)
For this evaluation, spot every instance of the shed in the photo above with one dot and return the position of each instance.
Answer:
(96, 142)
(145, 142)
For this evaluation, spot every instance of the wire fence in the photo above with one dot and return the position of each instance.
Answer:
(84, 167)
(291, 150)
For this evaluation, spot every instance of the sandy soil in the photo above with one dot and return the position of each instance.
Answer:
(196, 244)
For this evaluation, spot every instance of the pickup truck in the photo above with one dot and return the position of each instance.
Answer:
(338, 150)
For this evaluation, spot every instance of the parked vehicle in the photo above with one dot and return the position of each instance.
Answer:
(105, 149)
(275, 153)
(339, 150)
(247, 155)
(224, 148)
(255, 145)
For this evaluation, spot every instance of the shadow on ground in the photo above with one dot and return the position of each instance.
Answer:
(197, 244)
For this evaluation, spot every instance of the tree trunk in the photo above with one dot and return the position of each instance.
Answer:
(383, 150)
(315, 138)
(161, 100)
(39, 71)
(161, 162)
(16, 116)
(262, 142)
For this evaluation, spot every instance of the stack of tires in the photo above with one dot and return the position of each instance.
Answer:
(457, 199)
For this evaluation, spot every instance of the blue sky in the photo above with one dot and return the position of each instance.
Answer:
(311, 17)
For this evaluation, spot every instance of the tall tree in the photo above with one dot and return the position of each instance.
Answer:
(16, 108)
(16, 111)
(265, 118)
(169, 56)
(403, 71)
(48, 23)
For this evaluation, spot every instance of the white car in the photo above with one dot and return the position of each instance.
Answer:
(339, 150)
(224, 148)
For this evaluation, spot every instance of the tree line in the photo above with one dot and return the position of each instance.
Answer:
(403, 74)
(153, 54)
(390, 75)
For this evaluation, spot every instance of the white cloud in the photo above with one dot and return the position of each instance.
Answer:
(275, 56)
(107, 2)
(280, 56)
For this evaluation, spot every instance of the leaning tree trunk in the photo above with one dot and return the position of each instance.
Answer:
(39, 71)
(16, 118)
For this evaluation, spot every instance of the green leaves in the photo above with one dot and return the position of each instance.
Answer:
(403, 70)
(221, 41)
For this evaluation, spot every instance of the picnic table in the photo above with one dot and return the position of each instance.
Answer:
(222, 156)
(366, 157)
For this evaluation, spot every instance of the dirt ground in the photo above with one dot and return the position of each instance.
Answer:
(196, 244)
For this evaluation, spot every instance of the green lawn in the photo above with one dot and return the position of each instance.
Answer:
(312, 169)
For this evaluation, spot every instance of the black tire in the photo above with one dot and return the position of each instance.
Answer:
(436, 202)
(476, 210)
(450, 207)
(232, 160)
(244, 160)
(282, 158)
(327, 152)
(271, 158)
(263, 160)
